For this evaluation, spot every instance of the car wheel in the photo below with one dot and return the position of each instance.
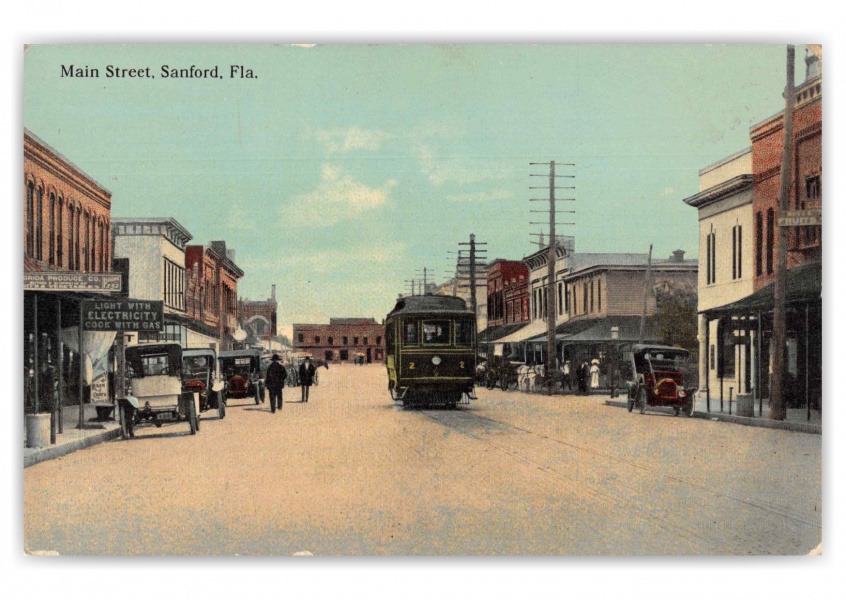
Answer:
(641, 400)
(629, 403)
(503, 384)
(191, 411)
(258, 395)
(688, 407)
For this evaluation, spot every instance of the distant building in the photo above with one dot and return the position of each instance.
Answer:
(342, 340)
(258, 319)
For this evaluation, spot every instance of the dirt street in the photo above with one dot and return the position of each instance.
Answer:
(349, 473)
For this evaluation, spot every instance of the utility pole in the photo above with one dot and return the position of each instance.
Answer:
(551, 353)
(777, 405)
(642, 333)
(472, 256)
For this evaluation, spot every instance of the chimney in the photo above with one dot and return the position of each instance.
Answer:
(678, 256)
(273, 293)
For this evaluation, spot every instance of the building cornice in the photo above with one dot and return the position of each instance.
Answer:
(720, 191)
(43, 155)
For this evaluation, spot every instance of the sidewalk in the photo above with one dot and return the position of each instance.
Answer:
(72, 439)
(797, 418)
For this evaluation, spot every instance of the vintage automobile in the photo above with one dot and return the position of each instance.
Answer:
(243, 374)
(157, 394)
(659, 374)
(201, 374)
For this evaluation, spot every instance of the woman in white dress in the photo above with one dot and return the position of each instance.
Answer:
(594, 374)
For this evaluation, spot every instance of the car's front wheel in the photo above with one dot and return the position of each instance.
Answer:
(641, 400)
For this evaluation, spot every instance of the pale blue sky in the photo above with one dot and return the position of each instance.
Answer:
(342, 170)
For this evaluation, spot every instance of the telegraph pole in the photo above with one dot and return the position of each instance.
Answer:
(777, 405)
(642, 333)
(551, 354)
(473, 251)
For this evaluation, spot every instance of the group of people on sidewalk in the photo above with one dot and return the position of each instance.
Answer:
(274, 381)
(585, 375)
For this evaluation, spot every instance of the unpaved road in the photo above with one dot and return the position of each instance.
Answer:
(349, 473)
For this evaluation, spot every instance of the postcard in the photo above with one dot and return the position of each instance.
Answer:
(422, 300)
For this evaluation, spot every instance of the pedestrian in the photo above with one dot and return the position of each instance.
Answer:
(565, 376)
(274, 381)
(594, 374)
(582, 375)
(306, 377)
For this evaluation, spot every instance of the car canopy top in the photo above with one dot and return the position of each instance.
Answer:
(145, 357)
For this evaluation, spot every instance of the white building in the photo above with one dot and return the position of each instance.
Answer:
(155, 248)
(726, 273)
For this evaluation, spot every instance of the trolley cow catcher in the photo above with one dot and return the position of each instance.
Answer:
(430, 343)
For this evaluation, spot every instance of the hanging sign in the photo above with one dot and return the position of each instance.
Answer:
(122, 315)
(800, 218)
(62, 281)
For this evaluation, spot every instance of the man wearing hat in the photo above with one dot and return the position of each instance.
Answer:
(306, 376)
(274, 381)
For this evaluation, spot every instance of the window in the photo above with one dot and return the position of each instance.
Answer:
(585, 297)
(59, 238)
(317, 339)
(770, 239)
(300, 338)
(736, 251)
(39, 218)
(560, 298)
(759, 243)
(464, 332)
(436, 332)
(591, 294)
(813, 188)
(346, 340)
(30, 219)
(726, 353)
(599, 295)
(378, 340)
(567, 298)
(711, 258)
(411, 333)
(174, 285)
(712, 357)
(355, 341)
(331, 341)
(51, 253)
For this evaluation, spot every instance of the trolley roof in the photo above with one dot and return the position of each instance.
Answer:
(431, 303)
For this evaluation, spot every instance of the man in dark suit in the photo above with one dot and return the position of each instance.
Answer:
(306, 377)
(274, 381)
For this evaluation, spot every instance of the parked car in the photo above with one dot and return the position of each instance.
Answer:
(201, 374)
(156, 391)
(659, 379)
(243, 374)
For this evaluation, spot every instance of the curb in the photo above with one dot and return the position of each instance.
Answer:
(748, 421)
(51, 452)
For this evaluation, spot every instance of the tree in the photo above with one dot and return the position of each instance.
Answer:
(676, 317)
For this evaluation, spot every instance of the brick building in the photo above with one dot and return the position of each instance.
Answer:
(67, 228)
(258, 319)
(342, 340)
(508, 292)
(211, 289)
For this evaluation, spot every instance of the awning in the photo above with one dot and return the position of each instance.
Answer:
(521, 335)
(494, 332)
(804, 285)
(599, 330)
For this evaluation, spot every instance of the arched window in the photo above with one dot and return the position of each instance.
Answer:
(78, 240)
(30, 219)
(51, 256)
(103, 246)
(59, 236)
(39, 223)
(71, 261)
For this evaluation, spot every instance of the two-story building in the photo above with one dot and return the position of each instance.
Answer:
(155, 248)
(345, 339)
(211, 291)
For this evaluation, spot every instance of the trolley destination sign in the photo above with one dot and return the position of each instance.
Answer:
(122, 315)
(61, 281)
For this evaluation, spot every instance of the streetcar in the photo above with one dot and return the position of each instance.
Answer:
(430, 342)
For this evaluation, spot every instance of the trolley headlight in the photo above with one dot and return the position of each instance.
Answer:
(436, 360)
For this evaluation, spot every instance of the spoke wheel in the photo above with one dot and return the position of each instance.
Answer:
(221, 404)
(193, 421)
(629, 403)
(642, 400)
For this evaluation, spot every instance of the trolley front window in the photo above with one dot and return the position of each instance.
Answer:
(411, 333)
(464, 334)
(436, 332)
